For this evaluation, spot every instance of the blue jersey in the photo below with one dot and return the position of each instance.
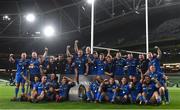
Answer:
(109, 87)
(22, 66)
(132, 64)
(90, 60)
(155, 62)
(35, 70)
(149, 89)
(119, 66)
(94, 86)
(159, 76)
(64, 89)
(109, 67)
(100, 64)
(93, 67)
(35, 85)
(136, 89)
(52, 83)
(69, 69)
(124, 90)
(80, 64)
(42, 87)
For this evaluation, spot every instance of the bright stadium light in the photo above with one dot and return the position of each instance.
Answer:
(90, 1)
(30, 17)
(49, 31)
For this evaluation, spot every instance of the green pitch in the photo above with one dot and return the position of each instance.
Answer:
(7, 92)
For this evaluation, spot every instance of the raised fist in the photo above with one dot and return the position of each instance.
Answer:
(45, 49)
(11, 55)
(68, 46)
(76, 41)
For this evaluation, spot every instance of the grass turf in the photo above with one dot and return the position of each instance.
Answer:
(7, 92)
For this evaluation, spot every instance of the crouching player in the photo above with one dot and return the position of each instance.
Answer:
(150, 91)
(161, 77)
(92, 90)
(107, 91)
(40, 90)
(64, 88)
(135, 90)
(52, 86)
(123, 91)
(33, 94)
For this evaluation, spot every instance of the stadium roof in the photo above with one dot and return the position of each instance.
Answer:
(122, 20)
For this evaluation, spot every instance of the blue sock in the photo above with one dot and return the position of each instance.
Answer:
(167, 95)
(158, 100)
(88, 94)
(98, 95)
(22, 89)
(144, 99)
(141, 98)
(16, 92)
(114, 96)
(100, 98)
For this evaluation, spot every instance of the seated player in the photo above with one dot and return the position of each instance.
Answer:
(135, 90)
(64, 88)
(150, 91)
(161, 77)
(52, 85)
(35, 84)
(42, 90)
(92, 90)
(123, 91)
(109, 92)
(21, 73)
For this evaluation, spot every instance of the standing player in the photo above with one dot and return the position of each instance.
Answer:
(155, 59)
(109, 65)
(60, 65)
(119, 64)
(69, 66)
(81, 67)
(143, 63)
(131, 65)
(100, 64)
(21, 73)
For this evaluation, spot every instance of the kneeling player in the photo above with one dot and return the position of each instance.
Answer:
(42, 87)
(135, 90)
(92, 90)
(33, 94)
(150, 91)
(52, 86)
(123, 91)
(108, 91)
(64, 88)
(161, 77)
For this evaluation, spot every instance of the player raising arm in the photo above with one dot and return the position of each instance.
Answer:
(21, 72)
